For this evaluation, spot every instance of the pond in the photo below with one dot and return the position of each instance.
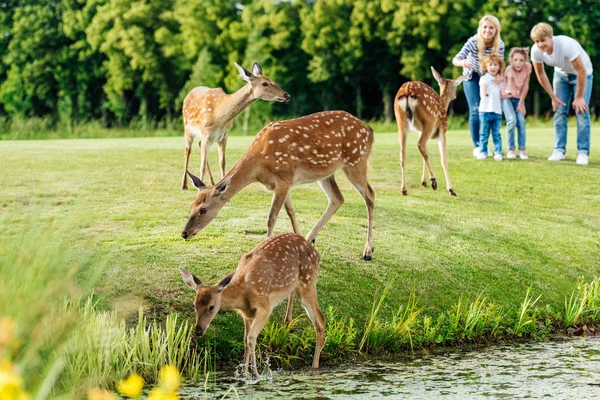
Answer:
(567, 369)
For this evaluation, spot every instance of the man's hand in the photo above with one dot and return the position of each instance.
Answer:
(521, 108)
(580, 106)
(556, 101)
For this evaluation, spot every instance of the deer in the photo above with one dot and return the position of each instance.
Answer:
(278, 267)
(419, 108)
(208, 114)
(290, 153)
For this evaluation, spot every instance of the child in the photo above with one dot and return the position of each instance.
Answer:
(490, 107)
(516, 86)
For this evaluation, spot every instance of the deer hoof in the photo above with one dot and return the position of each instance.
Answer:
(433, 184)
(404, 192)
(424, 184)
(452, 192)
(313, 241)
(367, 258)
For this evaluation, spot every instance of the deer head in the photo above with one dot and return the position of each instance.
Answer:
(447, 86)
(206, 205)
(262, 87)
(207, 302)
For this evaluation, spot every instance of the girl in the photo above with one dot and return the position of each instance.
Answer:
(487, 41)
(516, 86)
(491, 106)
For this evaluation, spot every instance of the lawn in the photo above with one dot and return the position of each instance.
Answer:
(513, 225)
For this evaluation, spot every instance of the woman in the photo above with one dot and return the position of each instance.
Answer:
(487, 41)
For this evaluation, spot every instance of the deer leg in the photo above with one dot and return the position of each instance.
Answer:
(336, 200)
(279, 198)
(289, 208)
(402, 131)
(442, 146)
(290, 309)
(247, 325)
(424, 175)
(358, 176)
(309, 300)
(425, 134)
(221, 147)
(189, 138)
(258, 323)
(204, 160)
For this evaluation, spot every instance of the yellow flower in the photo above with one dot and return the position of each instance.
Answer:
(10, 383)
(160, 393)
(131, 387)
(170, 378)
(101, 394)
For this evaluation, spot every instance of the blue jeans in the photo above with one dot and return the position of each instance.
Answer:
(514, 118)
(565, 87)
(471, 88)
(490, 122)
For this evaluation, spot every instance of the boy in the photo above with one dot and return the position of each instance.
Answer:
(573, 74)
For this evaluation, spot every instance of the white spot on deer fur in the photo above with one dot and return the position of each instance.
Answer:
(301, 149)
(307, 147)
(277, 153)
(270, 141)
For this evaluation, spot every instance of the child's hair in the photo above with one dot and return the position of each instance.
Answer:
(487, 60)
(496, 42)
(524, 51)
(540, 31)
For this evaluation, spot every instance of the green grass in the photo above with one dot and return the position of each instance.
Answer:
(516, 224)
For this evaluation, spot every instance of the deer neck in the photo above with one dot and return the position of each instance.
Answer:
(236, 102)
(243, 173)
(233, 298)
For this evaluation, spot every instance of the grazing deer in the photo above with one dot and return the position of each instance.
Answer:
(208, 114)
(419, 108)
(278, 267)
(289, 153)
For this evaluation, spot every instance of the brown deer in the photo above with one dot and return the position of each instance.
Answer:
(290, 153)
(419, 108)
(276, 268)
(208, 114)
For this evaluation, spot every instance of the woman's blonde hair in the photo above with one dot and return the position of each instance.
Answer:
(524, 51)
(495, 43)
(540, 31)
(487, 60)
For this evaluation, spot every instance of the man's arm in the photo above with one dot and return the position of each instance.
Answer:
(579, 103)
(543, 80)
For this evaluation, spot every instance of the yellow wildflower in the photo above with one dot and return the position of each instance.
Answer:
(161, 393)
(132, 386)
(11, 383)
(170, 378)
(101, 394)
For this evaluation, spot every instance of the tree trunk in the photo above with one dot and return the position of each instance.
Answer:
(388, 104)
(359, 104)
(246, 119)
(536, 103)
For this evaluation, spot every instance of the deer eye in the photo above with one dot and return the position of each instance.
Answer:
(203, 211)
(265, 84)
(211, 308)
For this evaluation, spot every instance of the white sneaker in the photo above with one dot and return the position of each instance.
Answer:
(556, 156)
(476, 152)
(582, 159)
(481, 156)
(523, 155)
(511, 154)
(498, 157)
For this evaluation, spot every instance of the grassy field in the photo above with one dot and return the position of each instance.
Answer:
(514, 224)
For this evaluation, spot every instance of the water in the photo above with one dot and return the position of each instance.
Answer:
(567, 369)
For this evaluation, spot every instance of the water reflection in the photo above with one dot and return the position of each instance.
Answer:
(567, 370)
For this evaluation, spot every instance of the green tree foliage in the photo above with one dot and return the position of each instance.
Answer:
(129, 60)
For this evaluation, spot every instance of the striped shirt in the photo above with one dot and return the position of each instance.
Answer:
(469, 52)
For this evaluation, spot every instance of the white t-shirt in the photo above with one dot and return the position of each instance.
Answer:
(564, 51)
(492, 102)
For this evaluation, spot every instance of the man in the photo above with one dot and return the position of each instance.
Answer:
(573, 74)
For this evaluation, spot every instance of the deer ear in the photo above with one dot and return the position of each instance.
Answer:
(456, 82)
(256, 69)
(197, 182)
(189, 279)
(437, 76)
(224, 282)
(222, 186)
(244, 73)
